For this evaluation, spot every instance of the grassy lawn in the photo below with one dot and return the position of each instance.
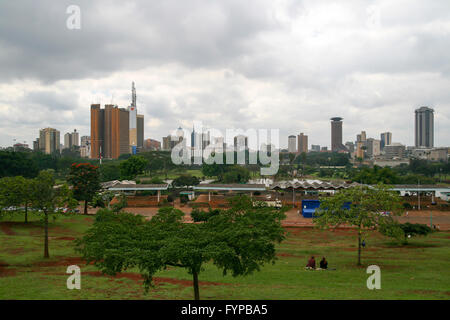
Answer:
(173, 174)
(420, 270)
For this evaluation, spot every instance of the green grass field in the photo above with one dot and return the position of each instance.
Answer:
(420, 270)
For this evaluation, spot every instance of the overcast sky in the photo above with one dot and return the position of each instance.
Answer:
(290, 65)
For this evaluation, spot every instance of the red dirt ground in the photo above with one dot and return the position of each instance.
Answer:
(6, 228)
(62, 262)
(5, 271)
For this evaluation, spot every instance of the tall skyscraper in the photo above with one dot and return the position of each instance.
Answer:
(292, 144)
(302, 143)
(386, 139)
(110, 131)
(336, 135)
(49, 140)
(133, 120)
(424, 127)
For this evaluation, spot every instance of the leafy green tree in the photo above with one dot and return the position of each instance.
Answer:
(401, 232)
(367, 207)
(16, 192)
(130, 168)
(185, 180)
(47, 197)
(239, 240)
(237, 174)
(109, 171)
(85, 179)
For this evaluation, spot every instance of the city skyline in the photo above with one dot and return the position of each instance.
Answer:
(263, 64)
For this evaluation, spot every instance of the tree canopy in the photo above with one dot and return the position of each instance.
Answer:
(237, 241)
(364, 208)
(85, 179)
(130, 168)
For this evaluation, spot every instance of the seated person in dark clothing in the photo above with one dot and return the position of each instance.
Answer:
(323, 263)
(311, 263)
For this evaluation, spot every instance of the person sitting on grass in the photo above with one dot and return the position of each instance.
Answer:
(323, 263)
(311, 264)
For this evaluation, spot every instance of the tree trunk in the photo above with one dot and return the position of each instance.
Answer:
(359, 247)
(85, 207)
(26, 212)
(196, 289)
(46, 255)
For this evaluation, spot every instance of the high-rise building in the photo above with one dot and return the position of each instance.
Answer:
(350, 146)
(140, 130)
(424, 127)
(302, 143)
(171, 141)
(36, 145)
(71, 139)
(315, 147)
(49, 140)
(240, 143)
(359, 153)
(110, 132)
(362, 137)
(132, 109)
(292, 144)
(151, 144)
(386, 139)
(336, 135)
(373, 147)
(85, 147)
(394, 150)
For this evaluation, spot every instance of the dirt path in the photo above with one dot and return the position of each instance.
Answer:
(6, 228)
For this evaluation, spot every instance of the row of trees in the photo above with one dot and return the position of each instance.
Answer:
(44, 196)
(29, 164)
(40, 194)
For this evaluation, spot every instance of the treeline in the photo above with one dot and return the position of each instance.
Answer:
(418, 171)
(29, 164)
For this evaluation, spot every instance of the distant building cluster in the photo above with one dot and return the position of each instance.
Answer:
(116, 131)
(381, 151)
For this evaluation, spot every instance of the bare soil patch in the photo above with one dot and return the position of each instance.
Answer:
(6, 228)
(5, 271)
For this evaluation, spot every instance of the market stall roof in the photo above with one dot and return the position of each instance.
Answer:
(139, 187)
(231, 187)
(314, 185)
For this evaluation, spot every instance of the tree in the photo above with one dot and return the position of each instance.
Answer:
(109, 171)
(85, 179)
(16, 192)
(48, 197)
(130, 168)
(236, 174)
(401, 232)
(185, 180)
(361, 207)
(239, 240)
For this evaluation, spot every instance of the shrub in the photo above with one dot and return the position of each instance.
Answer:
(407, 206)
(200, 215)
